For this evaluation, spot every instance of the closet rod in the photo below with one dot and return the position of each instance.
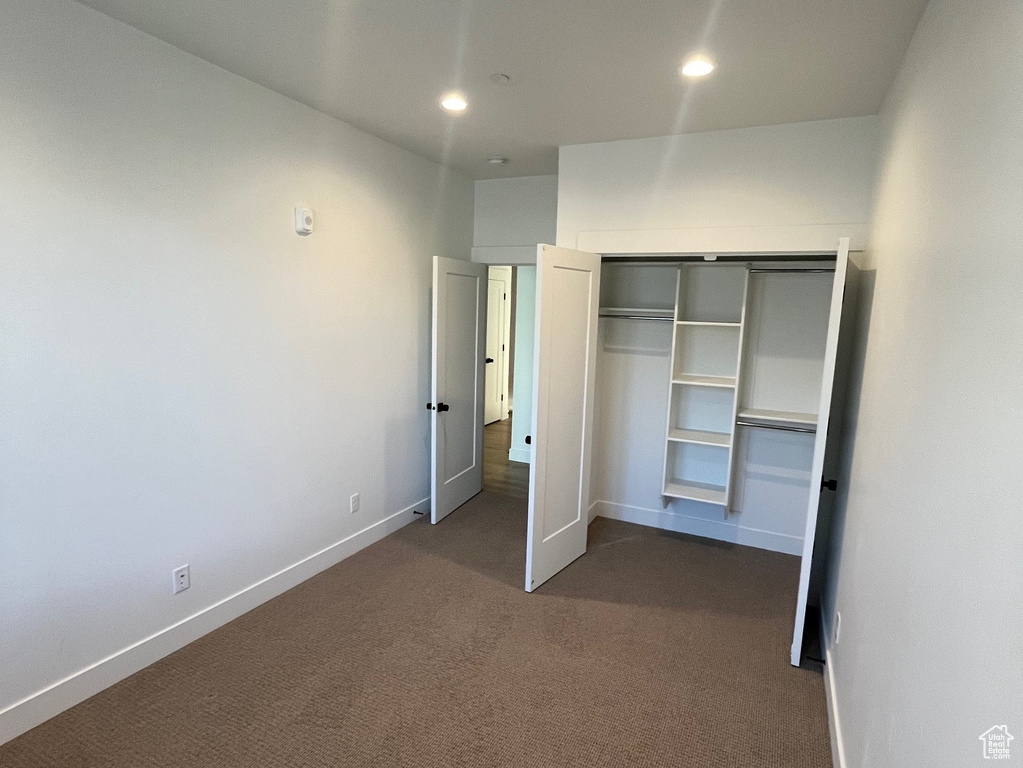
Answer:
(779, 427)
(792, 269)
(723, 258)
(639, 317)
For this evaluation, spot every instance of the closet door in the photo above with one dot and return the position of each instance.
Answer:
(456, 405)
(567, 298)
(820, 443)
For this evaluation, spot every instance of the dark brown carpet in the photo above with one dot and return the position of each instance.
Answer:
(654, 649)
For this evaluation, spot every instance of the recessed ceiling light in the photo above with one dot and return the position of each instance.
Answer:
(454, 102)
(697, 66)
(497, 160)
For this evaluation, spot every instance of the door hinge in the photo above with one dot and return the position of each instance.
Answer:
(502, 398)
(829, 485)
(529, 439)
(506, 297)
(502, 347)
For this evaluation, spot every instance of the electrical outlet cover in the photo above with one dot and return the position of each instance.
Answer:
(182, 579)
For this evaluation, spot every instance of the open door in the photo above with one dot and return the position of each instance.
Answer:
(496, 297)
(820, 444)
(567, 297)
(456, 391)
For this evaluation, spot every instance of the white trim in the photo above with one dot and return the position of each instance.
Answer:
(522, 455)
(768, 239)
(64, 694)
(698, 526)
(834, 724)
(504, 254)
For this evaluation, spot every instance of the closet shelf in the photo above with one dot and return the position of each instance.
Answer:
(688, 489)
(722, 439)
(727, 382)
(709, 323)
(636, 313)
(790, 419)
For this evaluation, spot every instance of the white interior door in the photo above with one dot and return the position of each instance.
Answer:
(567, 297)
(456, 404)
(820, 444)
(495, 358)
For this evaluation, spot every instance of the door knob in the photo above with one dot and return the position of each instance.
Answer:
(490, 359)
(441, 407)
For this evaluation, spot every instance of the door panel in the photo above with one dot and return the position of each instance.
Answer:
(459, 325)
(567, 290)
(495, 332)
(838, 296)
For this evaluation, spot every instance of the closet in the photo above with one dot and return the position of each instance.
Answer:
(714, 386)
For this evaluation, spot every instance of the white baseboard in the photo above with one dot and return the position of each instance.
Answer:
(834, 724)
(520, 454)
(698, 526)
(64, 694)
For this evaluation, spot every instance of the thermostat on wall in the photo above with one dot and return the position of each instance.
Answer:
(304, 221)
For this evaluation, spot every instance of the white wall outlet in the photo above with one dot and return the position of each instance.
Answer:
(838, 628)
(182, 580)
(355, 503)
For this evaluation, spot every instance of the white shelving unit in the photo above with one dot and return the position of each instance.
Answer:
(707, 341)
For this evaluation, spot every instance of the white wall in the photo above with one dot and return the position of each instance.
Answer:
(800, 179)
(790, 186)
(928, 569)
(185, 380)
(512, 216)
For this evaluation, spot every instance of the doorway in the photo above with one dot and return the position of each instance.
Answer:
(500, 314)
(564, 344)
(503, 471)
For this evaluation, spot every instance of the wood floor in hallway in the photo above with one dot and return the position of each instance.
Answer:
(508, 478)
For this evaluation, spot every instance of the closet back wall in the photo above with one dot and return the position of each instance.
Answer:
(185, 379)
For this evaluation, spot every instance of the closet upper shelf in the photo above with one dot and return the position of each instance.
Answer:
(768, 417)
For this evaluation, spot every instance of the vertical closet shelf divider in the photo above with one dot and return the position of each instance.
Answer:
(665, 499)
(738, 389)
